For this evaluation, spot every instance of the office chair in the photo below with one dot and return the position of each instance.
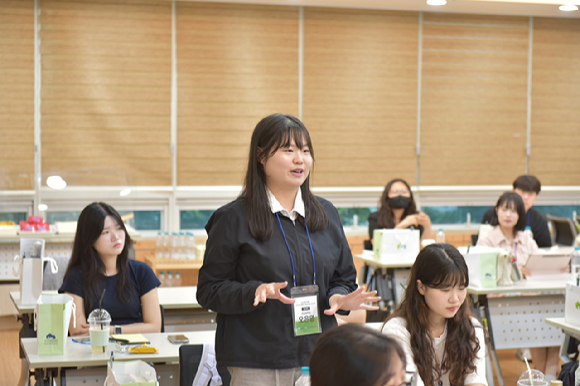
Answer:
(190, 355)
(563, 230)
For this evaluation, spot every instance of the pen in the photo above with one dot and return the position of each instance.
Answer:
(82, 341)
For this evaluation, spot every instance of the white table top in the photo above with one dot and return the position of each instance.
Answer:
(522, 286)
(370, 261)
(570, 329)
(169, 298)
(78, 354)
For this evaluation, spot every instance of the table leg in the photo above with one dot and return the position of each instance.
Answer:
(483, 301)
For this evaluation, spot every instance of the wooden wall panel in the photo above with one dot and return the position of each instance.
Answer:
(556, 102)
(236, 65)
(16, 95)
(106, 91)
(360, 94)
(474, 98)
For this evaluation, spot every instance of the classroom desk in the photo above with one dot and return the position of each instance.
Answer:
(516, 319)
(570, 330)
(181, 313)
(80, 355)
(389, 279)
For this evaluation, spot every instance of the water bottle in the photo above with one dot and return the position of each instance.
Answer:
(159, 245)
(162, 279)
(177, 280)
(304, 379)
(174, 245)
(169, 280)
(575, 263)
(190, 246)
(440, 236)
(528, 232)
(166, 246)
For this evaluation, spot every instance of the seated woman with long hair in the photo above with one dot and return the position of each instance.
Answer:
(442, 339)
(100, 263)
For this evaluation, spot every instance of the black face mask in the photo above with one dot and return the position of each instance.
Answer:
(399, 202)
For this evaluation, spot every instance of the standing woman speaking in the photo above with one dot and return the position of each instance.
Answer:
(277, 265)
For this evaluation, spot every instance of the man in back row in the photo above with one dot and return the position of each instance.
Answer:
(528, 187)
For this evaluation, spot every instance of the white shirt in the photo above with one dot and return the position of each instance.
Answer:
(397, 328)
(276, 207)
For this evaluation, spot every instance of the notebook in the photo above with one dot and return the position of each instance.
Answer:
(130, 338)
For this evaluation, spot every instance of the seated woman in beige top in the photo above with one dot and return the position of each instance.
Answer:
(510, 221)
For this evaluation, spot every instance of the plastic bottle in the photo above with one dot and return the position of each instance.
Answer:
(575, 263)
(174, 245)
(166, 246)
(556, 382)
(169, 280)
(528, 232)
(304, 379)
(159, 245)
(177, 280)
(162, 279)
(440, 237)
(190, 246)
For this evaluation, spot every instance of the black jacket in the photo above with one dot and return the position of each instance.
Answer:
(235, 264)
(537, 222)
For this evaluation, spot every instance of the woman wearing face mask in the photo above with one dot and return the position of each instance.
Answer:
(398, 211)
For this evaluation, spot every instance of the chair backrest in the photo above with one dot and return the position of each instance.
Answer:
(189, 357)
(563, 230)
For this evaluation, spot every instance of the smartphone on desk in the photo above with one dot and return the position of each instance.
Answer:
(178, 338)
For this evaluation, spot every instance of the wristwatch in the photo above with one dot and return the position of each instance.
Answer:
(118, 330)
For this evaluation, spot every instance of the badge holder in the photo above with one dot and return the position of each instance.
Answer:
(305, 310)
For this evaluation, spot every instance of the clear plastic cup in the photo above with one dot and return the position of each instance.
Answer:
(538, 379)
(99, 321)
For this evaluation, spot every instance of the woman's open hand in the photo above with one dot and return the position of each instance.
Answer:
(271, 291)
(353, 301)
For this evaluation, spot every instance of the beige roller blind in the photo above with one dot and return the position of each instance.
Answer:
(555, 138)
(236, 65)
(360, 95)
(16, 94)
(474, 97)
(106, 91)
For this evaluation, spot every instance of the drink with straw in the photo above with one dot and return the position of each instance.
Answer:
(99, 321)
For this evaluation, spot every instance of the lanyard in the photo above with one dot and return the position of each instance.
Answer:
(528, 223)
(292, 258)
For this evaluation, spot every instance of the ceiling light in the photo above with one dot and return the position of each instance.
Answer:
(125, 192)
(42, 207)
(56, 182)
(568, 8)
(436, 2)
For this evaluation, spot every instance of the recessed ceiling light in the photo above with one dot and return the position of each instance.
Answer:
(436, 2)
(42, 207)
(56, 182)
(125, 192)
(568, 8)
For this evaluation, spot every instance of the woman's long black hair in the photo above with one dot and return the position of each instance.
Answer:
(86, 258)
(386, 218)
(272, 133)
(440, 266)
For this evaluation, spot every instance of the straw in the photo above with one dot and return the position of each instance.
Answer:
(101, 307)
(529, 371)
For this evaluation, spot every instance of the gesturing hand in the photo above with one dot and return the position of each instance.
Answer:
(271, 291)
(353, 301)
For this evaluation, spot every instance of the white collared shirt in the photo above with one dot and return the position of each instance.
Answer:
(276, 207)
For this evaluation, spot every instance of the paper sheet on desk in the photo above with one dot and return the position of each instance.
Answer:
(130, 338)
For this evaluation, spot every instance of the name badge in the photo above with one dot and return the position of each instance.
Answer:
(305, 310)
